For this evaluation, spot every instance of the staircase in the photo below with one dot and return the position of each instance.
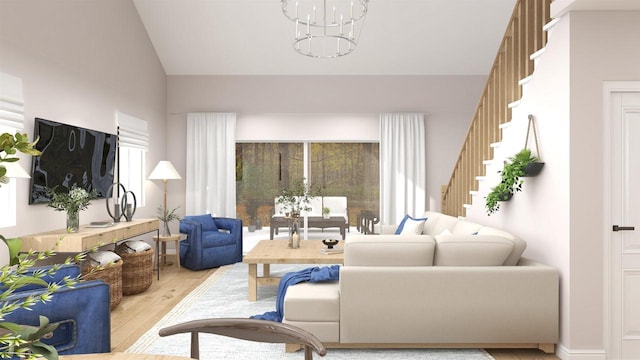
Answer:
(511, 68)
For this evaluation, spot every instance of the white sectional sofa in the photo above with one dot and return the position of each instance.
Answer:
(469, 288)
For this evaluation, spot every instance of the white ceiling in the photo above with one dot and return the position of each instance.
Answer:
(253, 37)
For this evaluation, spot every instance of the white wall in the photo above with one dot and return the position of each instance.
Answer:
(560, 212)
(80, 62)
(264, 103)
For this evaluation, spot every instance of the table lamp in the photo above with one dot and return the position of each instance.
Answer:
(164, 171)
(15, 171)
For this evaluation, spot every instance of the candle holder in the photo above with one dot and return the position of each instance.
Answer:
(128, 208)
(117, 214)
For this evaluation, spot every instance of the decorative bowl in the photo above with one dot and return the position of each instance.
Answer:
(330, 242)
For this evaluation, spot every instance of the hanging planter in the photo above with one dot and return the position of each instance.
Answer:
(522, 164)
(533, 169)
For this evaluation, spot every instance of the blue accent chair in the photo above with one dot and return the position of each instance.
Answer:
(211, 241)
(82, 313)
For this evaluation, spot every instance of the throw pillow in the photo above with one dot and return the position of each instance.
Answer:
(136, 246)
(411, 226)
(207, 222)
(103, 257)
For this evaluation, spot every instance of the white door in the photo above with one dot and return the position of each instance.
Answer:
(624, 239)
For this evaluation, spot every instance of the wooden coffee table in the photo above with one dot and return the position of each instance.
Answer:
(268, 252)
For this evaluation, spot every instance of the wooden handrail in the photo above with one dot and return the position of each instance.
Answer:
(523, 37)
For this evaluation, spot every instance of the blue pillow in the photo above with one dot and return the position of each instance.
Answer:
(404, 221)
(207, 222)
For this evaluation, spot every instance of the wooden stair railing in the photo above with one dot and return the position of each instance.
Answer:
(523, 37)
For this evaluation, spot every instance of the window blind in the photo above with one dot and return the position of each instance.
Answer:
(132, 132)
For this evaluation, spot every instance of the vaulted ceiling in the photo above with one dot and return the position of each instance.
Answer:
(253, 37)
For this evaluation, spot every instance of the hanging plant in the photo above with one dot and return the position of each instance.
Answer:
(522, 164)
(511, 182)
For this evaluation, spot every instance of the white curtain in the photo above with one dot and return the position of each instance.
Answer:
(211, 162)
(402, 166)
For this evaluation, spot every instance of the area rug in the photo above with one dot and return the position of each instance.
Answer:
(224, 294)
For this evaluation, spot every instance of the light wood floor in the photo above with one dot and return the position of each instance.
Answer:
(138, 313)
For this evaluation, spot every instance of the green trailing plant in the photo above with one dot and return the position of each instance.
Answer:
(297, 197)
(511, 180)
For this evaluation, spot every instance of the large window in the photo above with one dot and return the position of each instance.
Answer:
(134, 143)
(340, 169)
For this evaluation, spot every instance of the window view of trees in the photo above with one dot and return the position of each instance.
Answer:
(339, 169)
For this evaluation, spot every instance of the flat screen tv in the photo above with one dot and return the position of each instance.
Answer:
(71, 157)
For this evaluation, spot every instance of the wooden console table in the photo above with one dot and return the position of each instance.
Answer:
(88, 237)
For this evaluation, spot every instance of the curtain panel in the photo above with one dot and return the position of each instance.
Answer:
(402, 166)
(210, 180)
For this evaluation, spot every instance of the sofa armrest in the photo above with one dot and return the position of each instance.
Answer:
(82, 313)
(479, 304)
(232, 225)
(193, 229)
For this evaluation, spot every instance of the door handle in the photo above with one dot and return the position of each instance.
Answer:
(621, 228)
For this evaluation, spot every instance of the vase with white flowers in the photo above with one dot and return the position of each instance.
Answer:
(72, 202)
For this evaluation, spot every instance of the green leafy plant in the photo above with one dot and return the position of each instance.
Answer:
(511, 180)
(75, 200)
(9, 146)
(297, 197)
(167, 216)
(326, 210)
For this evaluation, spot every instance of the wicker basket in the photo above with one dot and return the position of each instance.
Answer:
(137, 270)
(110, 274)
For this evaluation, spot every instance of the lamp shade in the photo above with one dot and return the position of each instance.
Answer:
(164, 171)
(14, 170)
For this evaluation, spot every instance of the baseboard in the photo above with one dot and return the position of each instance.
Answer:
(579, 354)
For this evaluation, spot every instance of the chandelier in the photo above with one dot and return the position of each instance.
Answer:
(326, 28)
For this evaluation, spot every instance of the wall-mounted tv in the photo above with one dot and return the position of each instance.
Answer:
(71, 156)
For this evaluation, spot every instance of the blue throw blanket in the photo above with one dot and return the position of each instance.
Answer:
(312, 274)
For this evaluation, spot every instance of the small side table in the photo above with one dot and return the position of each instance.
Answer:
(161, 259)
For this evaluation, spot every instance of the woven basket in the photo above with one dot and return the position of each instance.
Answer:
(137, 270)
(110, 274)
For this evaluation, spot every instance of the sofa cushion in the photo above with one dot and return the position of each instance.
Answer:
(97, 258)
(472, 250)
(519, 245)
(313, 302)
(206, 220)
(436, 223)
(389, 250)
(410, 226)
(214, 239)
(463, 227)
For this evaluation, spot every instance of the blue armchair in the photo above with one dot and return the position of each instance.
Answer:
(211, 241)
(82, 313)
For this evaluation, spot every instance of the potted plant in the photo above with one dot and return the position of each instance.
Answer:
(511, 179)
(167, 216)
(326, 212)
(72, 202)
(297, 197)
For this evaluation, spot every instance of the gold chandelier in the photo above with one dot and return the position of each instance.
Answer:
(326, 28)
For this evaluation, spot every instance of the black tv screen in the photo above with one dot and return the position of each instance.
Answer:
(71, 157)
